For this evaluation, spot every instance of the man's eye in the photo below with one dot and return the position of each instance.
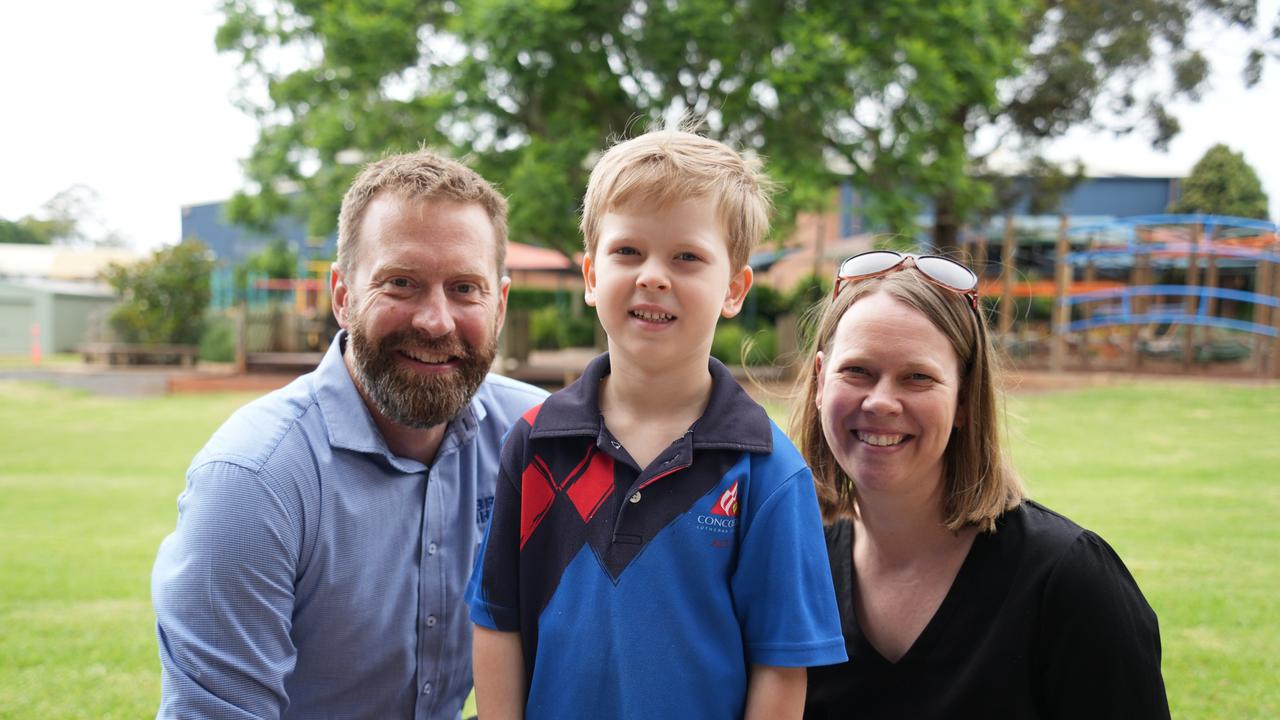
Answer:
(466, 288)
(400, 282)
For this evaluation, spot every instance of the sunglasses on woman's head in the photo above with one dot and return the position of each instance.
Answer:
(943, 272)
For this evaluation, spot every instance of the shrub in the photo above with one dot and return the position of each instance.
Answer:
(218, 343)
(731, 340)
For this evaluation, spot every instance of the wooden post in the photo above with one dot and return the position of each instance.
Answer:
(1189, 300)
(1275, 321)
(1061, 291)
(1008, 272)
(1262, 316)
(242, 334)
(1086, 309)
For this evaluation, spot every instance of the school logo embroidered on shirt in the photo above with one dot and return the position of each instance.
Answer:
(727, 505)
(722, 518)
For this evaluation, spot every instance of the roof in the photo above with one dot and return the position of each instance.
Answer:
(530, 257)
(58, 262)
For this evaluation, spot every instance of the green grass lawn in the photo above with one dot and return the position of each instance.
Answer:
(1182, 479)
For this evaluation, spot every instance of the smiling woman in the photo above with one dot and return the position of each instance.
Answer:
(958, 596)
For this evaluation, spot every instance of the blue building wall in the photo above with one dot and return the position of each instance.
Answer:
(232, 244)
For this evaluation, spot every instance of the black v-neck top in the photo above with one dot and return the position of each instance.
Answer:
(1043, 620)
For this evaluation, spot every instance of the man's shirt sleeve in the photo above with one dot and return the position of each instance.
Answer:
(493, 593)
(223, 590)
(782, 589)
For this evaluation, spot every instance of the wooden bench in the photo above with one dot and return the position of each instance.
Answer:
(139, 354)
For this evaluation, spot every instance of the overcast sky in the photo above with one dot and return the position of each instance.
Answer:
(132, 100)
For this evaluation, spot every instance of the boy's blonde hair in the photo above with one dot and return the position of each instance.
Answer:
(979, 480)
(663, 167)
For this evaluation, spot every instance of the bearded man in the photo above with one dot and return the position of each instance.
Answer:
(328, 529)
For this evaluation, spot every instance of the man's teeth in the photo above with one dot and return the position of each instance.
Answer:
(428, 358)
(881, 440)
(653, 316)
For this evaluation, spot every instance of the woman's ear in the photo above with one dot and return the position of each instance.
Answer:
(817, 374)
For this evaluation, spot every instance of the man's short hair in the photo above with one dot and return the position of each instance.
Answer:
(663, 167)
(421, 175)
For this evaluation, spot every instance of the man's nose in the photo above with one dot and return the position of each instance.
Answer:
(433, 315)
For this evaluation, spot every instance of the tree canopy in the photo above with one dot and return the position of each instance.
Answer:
(162, 299)
(890, 96)
(1222, 183)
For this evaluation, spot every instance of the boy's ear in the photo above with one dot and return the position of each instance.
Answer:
(739, 284)
(589, 280)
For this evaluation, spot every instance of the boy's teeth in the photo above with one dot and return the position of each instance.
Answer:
(880, 440)
(652, 316)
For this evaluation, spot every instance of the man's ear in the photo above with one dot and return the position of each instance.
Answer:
(339, 297)
(739, 284)
(504, 287)
(589, 280)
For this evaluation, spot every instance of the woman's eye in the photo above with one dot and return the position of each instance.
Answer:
(920, 377)
(855, 370)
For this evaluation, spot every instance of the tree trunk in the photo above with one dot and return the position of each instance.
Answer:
(946, 226)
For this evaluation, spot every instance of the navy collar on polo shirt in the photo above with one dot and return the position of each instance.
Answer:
(731, 421)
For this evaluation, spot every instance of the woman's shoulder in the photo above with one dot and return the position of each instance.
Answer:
(1039, 528)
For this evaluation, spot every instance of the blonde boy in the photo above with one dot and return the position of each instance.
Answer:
(656, 549)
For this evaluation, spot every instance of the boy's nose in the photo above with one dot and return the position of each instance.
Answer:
(652, 278)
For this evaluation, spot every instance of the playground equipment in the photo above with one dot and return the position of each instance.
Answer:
(1167, 292)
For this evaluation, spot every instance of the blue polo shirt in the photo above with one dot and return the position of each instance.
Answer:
(647, 593)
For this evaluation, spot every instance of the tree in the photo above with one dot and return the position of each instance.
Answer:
(162, 299)
(890, 96)
(68, 218)
(18, 233)
(277, 260)
(1092, 63)
(533, 91)
(1222, 183)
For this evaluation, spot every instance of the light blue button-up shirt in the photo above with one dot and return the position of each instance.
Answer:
(314, 573)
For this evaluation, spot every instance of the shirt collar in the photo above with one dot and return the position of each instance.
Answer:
(350, 423)
(732, 419)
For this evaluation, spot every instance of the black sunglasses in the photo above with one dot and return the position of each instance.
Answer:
(943, 272)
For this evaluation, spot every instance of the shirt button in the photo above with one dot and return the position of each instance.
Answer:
(635, 498)
(426, 688)
(431, 621)
(431, 549)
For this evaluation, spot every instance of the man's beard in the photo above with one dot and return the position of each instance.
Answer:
(411, 399)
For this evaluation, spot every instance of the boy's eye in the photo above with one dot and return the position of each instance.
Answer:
(626, 250)
(688, 257)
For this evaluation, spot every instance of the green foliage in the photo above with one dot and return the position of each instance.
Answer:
(1222, 183)
(218, 343)
(529, 298)
(163, 299)
(733, 344)
(278, 260)
(551, 328)
(18, 233)
(533, 91)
